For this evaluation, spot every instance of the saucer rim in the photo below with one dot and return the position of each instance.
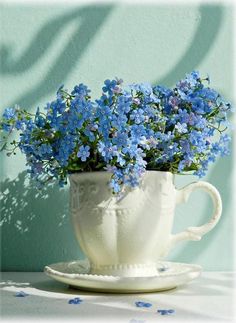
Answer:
(126, 285)
(50, 271)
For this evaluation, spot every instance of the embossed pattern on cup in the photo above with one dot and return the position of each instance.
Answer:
(127, 236)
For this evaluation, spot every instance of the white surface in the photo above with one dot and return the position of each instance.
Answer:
(169, 275)
(208, 298)
(112, 230)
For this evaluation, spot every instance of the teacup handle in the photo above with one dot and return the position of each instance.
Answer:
(196, 233)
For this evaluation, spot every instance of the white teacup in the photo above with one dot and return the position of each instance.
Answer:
(127, 237)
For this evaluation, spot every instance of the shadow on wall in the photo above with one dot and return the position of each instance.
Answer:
(90, 20)
(202, 42)
(93, 17)
(36, 228)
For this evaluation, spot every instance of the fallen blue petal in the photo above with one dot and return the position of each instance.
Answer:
(21, 294)
(171, 311)
(71, 301)
(163, 268)
(143, 304)
(75, 300)
(166, 312)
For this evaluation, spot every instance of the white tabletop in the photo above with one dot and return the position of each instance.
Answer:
(208, 298)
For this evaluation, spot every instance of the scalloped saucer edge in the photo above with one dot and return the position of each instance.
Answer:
(76, 274)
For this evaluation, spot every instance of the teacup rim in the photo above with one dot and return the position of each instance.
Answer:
(105, 175)
(107, 172)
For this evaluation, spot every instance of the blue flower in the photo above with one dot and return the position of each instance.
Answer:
(75, 301)
(90, 132)
(107, 150)
(119, 122)
(137, 132)
(130, 150)
(80, 90)
(195, 75)
(44, 149)
(193, 78)
(104, 127)
(115, 185)
(21, 294)
(183, 116)
(83, 107)
(143, 304)
(181, 166)
(124, 102)
(183, 86)
(83, 152)
(174, 101)
(57, 107)
(39, 119)
(120, 158)
(6, 127)
(162, 91)
(208, 94)
(198, 105)
(166, 312)
(137, 115)
(185, 146)
(110, 86)
(200, 122)
(9, 113)
(172, 149)
(120, 139)
(132, 181)
(181, 127)
(144, 88)
(200, 172)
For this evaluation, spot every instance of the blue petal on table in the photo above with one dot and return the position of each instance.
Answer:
(21, 294)
(143, 304)
(166, 312)
(75, 300)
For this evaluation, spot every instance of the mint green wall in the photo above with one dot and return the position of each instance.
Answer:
(43, 46)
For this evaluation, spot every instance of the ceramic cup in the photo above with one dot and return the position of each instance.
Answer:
(127, 237)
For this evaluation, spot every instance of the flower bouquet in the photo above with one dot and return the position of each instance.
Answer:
(120, 152)
(127, 131)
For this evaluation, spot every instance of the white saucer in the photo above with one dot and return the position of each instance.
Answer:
(76, 274)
